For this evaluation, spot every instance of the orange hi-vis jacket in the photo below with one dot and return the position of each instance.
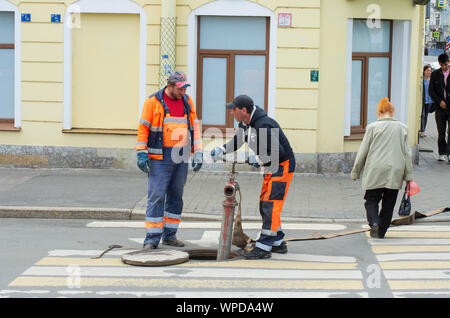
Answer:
(157, 129)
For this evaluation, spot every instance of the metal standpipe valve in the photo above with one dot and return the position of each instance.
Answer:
(229, 204)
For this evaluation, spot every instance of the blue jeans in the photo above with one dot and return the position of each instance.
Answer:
(166, 182)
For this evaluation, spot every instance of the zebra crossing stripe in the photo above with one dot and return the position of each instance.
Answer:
(384, 249)
(213, 284)
(419, 284)
(205, 272)
(413, 256)
(409, 241)
(415, 234)
(272, 264)
(217, 225)
(415, 265)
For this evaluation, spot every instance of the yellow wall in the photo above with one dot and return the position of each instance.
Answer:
(334, 17)
(311, 114)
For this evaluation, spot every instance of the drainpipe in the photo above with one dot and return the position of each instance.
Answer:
(167, 40)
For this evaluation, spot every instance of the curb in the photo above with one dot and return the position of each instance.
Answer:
(139, 215)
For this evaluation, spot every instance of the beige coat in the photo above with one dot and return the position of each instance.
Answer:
(385, 156)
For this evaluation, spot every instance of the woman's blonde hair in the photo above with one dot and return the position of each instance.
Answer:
(385, 106)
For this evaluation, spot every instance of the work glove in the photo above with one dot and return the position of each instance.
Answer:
(197, 161)
(143, 162)
(252, 161)
(217, 153)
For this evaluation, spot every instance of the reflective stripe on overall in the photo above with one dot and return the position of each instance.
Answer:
(273, 194)
(167, 178)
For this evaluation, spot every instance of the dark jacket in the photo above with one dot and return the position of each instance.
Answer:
(264, 136)
(436, 90)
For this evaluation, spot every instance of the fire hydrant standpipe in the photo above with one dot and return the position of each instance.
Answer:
(229, 204)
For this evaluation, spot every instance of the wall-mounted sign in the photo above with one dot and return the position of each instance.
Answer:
(26, 17)
(284, 20)
(314, 75)
(56, 18)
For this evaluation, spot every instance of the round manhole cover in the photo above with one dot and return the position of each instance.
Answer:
(155, 257)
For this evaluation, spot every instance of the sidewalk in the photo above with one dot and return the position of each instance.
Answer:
(121, 194)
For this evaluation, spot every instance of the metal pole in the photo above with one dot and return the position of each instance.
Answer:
(229, 205)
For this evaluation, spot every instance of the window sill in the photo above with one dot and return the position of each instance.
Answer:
(359, 136)
(8, 127)
(100, 131)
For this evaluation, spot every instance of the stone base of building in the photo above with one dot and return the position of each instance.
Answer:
(107, 158)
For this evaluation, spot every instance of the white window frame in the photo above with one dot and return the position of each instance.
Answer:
(101, 6)
(8, 6)
(401, 47)
(232, 8)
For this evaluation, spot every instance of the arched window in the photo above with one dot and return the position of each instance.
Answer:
(10, 74)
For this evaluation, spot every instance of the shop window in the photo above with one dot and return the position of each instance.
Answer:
(232, 57)
(7, 69)
(370, 71)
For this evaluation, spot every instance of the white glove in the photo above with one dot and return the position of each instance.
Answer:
(217, 153)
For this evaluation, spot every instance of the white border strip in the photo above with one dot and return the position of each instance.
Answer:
(7, 6)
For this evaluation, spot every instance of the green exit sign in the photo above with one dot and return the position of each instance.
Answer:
(314, 76)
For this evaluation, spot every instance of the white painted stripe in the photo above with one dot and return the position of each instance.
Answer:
(410, 294)
(63, 253)
(413, 256)
(425, 228)
(408, 241)
(217, 225)
(314, 258)
(12, 291)
(417, 274)
(275, 256)
(161, 272)
(237, 294)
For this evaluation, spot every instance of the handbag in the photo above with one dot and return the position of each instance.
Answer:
(405, 206)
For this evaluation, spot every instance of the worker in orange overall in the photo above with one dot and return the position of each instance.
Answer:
(272, 152)
(168, 134)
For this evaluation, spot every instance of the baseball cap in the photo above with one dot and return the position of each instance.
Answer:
(240, 102)
(179, 79)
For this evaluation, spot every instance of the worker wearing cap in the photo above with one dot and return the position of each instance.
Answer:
(272, 152)
(168, 134)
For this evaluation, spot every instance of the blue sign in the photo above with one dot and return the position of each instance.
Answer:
(26, 17)
(56, 18)
(167, 68)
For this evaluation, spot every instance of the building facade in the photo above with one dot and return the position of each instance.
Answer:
(74, 74)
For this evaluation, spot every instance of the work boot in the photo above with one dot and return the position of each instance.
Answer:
(149, 246)
(173, 242)
(374, 230)
(258, 253)
(280, 249)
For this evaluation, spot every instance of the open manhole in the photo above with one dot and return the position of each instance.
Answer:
(163, 257)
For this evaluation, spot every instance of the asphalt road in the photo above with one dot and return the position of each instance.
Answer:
(53, 258)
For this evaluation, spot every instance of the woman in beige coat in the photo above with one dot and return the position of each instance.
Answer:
(386, 158)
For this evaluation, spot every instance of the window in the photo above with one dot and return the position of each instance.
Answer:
(371, 71)
(232, 57)
(7, 69)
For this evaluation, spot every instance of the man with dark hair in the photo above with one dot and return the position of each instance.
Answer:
(274, 153)
(440, 94)
(168, 130)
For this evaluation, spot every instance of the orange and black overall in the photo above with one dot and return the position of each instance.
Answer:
(266, 138)
(169, 142)
(271, 200)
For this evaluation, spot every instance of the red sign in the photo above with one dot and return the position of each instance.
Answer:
(284, 20)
